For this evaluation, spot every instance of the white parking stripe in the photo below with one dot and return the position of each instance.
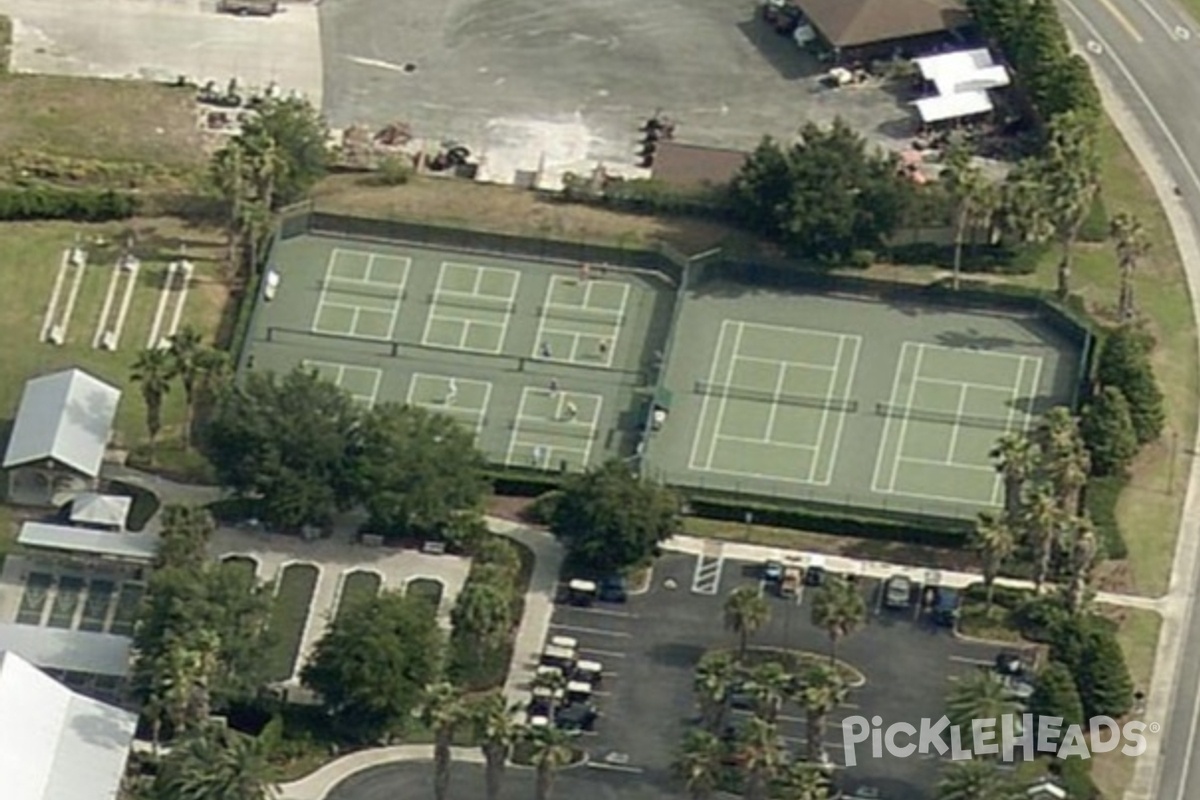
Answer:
(978, 662)
(602, 612)
(616, 768)
(592, 631)
(602, 654)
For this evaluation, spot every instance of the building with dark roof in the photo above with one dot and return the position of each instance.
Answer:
(856, 24)
(693, 167)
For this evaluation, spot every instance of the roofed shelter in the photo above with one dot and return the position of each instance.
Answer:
(56, 744)
(59, 437)
(101, 510)
(136, 548)
(881, 24)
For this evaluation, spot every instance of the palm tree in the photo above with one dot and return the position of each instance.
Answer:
(555, 683)
(993, 539)
(1065, 459)
(215, 762)
(699, 763)
(970, 190)
(228, 174)
(770, 684)
(840, 610)
(1131, 244)
(1016, 458)
(153, 369)
(977, 779)
(716, 676)
(760, 756)
(185, 352)
(496, 729)
(822, 691)
(802, 781)
(441, 711)
(214, 372)
(746, 612)
(1070, 176)
(550, 749)
(1041, 525)
(1083, 556)
(979, 695)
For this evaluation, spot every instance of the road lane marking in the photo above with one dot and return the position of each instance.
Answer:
(1153, 12)
(592, 631)
(1122, 20)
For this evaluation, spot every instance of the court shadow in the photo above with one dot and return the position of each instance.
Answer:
(1036, 405)
(972, 339)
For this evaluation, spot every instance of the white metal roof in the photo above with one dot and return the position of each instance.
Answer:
(133, 546)
(953, 106)
(66, 416)
(54, 743)
(69, 651)
(101, 509)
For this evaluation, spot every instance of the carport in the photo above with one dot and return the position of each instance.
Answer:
(136, 548)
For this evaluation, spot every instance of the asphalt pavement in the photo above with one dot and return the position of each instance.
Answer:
(1147, 56)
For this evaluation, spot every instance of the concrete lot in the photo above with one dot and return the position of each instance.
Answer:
(562, 83)
(652, 644)
(163, 39)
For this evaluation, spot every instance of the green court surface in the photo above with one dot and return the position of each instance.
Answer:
(34, 598)
(474, 336)
(99, 600)
(129, 604)
(289, 615)
(357, 587)
(66, 602)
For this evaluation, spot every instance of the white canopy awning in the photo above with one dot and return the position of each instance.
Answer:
(132, 546)
(955, 106)
(101, 509)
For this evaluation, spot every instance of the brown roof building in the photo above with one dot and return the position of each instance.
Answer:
(691, 166)
(858, 23)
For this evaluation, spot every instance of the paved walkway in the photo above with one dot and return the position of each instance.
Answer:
(318, 784)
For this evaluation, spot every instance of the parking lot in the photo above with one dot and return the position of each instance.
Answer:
(649, 647)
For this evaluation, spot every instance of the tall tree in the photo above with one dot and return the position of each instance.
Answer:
(496, 730)
(839, 610)
(969, 188)
(442, 710)
(1065, 462)
(550, 751)
(977, 779)
(746, 612)
(609, 519)
(153, 371)
(979, 695)
(371, 667)
(1103, 675)
(716, 676)
(770, 685)
(1124, 363)
(1041, 527)
(760, 756)
(228, 175)
(699, 764)
(1055, 695)
(1107, 429)
(186, 531)
(822, 690)
(1016, 458)
(994, 541)
(215, 762)
(800, 781)
(185, 352)
(1132, 244)
(299, 139)
(1070, 175)
(1082, 559)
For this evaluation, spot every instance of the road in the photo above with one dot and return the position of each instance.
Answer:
(1147, 54)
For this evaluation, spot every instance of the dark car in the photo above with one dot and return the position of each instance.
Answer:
(814, 576)
(772, 571)
(576, 717)
(613, 590)
(1010, 664)
(945, 607)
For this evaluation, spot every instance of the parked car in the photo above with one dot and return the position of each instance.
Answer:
(815, 574)
(772, 571)
(613, 589)
(945, 607)
(789, 585)
(581, 592)
(1008, 663)
(898, 592)
(588, 672)
(576, 717)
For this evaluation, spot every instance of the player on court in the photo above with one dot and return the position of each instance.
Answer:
(451, 392)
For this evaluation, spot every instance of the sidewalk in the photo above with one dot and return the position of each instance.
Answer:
(318, 784)
(876, 569)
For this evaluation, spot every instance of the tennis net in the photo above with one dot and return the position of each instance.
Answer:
(379, 291)
(784, 398)
(479, 301)
(571, 430)
(600, 316)
(1017, 422)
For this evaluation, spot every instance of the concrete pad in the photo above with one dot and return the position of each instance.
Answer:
(163, 39)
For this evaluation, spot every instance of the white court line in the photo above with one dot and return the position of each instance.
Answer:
(712, 445)
(780, 378)
(933, 462)
(912, 390)
(725, 437)
(405, 260)
(998, 483)
(962, 404)
(969, 384)
(841, 422)
(341, 251)
(887, 422)
(943, 498)
(479, 414)
(783, 328)
(825, 412)
(712, 376)
(1037, 379)
(757, 475)
(786, 362)
(316, 328)
(479, 270)
(962, 350)
(587, 454)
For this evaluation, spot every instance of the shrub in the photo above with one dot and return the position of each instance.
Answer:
(1107, 430)
(1103, 677)
(1125, 364)
(1100, 498)
(1055, 695)
(394, 171)
(41, 202)
(541, 511)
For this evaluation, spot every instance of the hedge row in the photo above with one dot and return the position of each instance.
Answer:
(79, 205)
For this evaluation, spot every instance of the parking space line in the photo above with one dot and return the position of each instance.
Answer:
(603, 612)
(592, 631)
(615, 768)
(977, 662)
(707, 577)
(602, 653)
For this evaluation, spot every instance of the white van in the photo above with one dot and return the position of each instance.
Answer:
(568, 642)
(561, 657)
(588, 671)
(578, 692)
(581, 592)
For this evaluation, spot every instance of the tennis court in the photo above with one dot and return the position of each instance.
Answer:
(555, 429)
(464, 399)
(360, 294)
(775, 402)
(581, 320)
(471, 307)
(361, 383)
(946, 409)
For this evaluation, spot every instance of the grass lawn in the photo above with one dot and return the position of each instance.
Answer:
(30, 254)
(102, 120)
(357, 587)
(243, 564)
(289, 615)
(426, 589)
